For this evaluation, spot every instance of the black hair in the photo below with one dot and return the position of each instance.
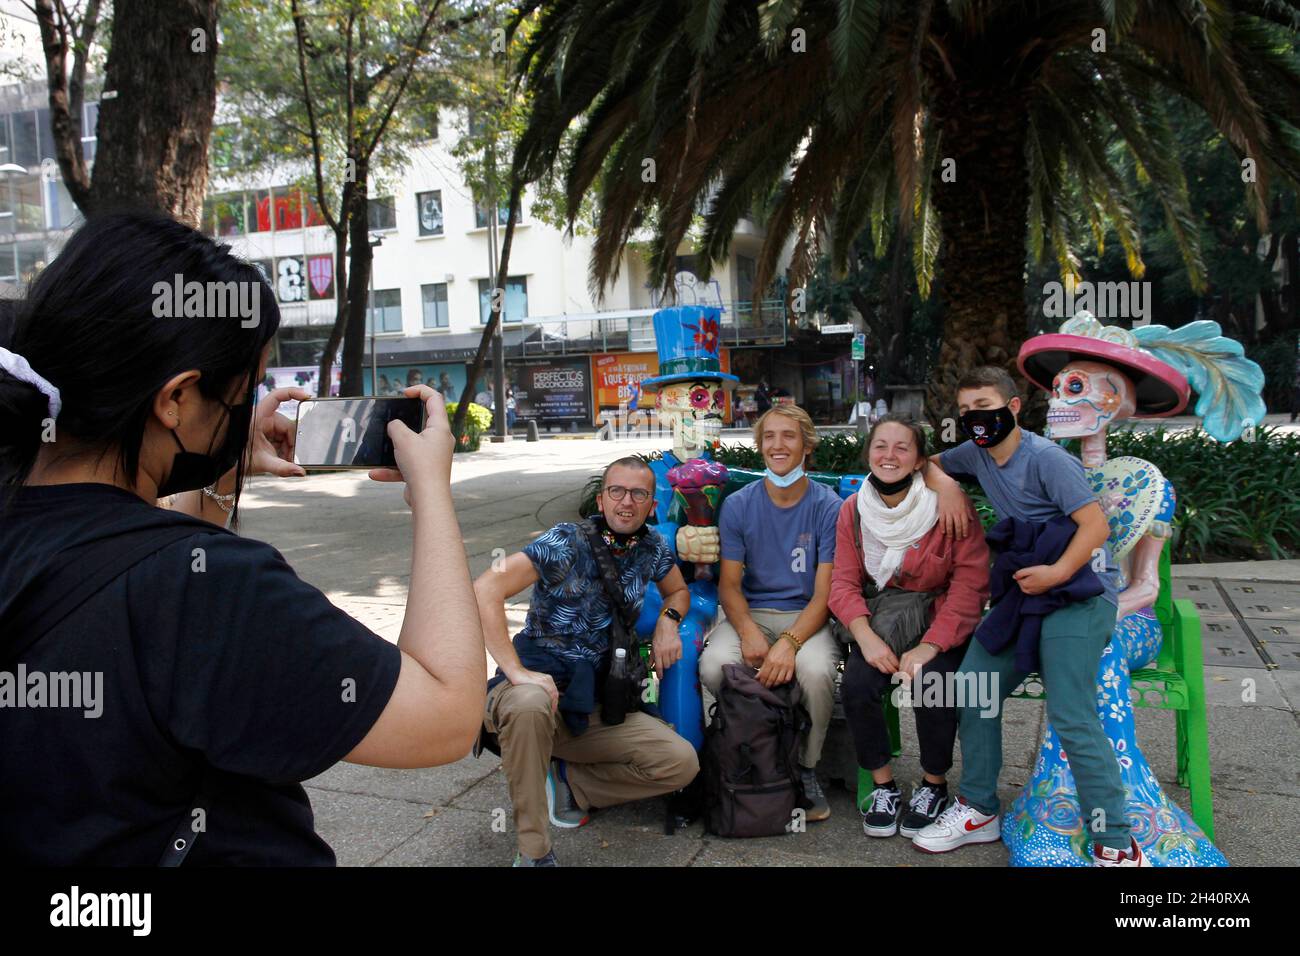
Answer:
(89, 326)
(897, 418)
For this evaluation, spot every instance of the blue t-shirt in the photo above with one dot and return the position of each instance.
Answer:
(1039, 482)
(780, 547)
(569, 613)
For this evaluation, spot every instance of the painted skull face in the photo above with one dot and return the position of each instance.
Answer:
(694, 409)
(1088, 397)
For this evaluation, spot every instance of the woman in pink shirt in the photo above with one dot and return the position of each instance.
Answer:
(889, 533)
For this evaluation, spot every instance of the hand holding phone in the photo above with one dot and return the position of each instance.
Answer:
(273, 435)
(423, 457)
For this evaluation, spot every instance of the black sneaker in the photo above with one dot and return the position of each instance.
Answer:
(928, 801)
(880, 819)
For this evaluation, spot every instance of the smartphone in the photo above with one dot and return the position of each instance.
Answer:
(351, 432)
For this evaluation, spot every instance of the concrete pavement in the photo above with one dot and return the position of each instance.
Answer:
(351, 538)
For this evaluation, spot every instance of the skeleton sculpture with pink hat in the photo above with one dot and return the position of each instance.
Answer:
(1098, 375)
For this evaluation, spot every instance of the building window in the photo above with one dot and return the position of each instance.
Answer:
(224, 215)
(28, 204)
(514, 305)
(386, 307)
(225, 146)
(481, 214)
(744, 278)
(429, 206)
(382, 214)
(433, 299)
(258, 216)
(425, 120)
(25, 147)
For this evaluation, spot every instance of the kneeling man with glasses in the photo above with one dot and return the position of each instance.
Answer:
(559, 756)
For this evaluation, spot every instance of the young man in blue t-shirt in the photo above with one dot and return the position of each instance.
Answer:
(778, 546)
(1028, 477)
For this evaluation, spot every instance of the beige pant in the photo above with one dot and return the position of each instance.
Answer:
(814, 669)
(607, 765)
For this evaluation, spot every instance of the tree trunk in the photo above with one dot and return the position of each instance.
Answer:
(983, 218)
(354, 333)
(156, 118)
(340, 283)
(494, 319)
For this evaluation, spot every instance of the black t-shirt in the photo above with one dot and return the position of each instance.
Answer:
(240, 673)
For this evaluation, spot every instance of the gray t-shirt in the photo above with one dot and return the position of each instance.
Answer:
(1039, 482)
(780, 547)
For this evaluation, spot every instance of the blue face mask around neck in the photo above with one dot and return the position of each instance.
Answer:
(784, 481)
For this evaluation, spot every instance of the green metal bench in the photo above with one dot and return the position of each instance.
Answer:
(1175, 681)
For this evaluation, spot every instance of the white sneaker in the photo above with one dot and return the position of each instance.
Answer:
(1106, 856)
(958, 825)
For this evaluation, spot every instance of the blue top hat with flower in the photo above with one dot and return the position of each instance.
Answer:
(687, 338)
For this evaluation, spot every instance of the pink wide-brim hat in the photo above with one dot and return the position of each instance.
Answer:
(1161, 390)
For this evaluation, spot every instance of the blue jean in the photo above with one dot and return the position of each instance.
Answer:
(1069, 654)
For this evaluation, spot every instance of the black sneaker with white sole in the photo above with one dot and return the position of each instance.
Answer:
(928, 801)
(880, 818)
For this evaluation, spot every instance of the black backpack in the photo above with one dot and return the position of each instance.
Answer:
(750, 765)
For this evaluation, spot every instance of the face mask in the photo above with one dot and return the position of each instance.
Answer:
(191, 471)
(889, 487)
(987, 427)
(784, 481)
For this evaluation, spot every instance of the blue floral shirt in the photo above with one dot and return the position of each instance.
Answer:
(570, 614)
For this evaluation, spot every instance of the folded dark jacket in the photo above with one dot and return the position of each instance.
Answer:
(575, 680)
(1016, 616)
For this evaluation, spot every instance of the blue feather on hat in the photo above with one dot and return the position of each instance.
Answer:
(1228, 385)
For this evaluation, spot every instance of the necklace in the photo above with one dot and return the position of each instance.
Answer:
(620, 544)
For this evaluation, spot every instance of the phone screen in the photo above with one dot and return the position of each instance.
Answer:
(351, 432)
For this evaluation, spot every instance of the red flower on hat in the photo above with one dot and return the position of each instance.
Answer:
(706, 334)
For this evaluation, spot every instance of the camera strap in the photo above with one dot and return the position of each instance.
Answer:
(620, 625)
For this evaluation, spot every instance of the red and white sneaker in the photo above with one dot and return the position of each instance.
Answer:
(1108, 856)
(958, 825)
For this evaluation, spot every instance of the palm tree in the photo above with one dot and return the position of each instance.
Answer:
(980, 124)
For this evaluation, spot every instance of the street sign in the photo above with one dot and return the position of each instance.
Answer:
(860, 347)
(836, 329)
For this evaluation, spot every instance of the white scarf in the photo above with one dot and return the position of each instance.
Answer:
(888, 532)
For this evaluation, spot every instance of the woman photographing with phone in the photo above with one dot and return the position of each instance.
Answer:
(209, 677)
(910, 596)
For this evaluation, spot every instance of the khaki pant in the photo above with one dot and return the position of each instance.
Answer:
(814, 669)
(607, 765)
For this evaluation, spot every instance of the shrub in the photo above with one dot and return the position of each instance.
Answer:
(477, 420)
(1236, 501)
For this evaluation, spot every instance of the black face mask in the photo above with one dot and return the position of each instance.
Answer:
(987, 427)
(191, 471)
(889, 487)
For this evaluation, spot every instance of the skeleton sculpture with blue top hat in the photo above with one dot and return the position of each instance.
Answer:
(691, 394)
(1098, 375)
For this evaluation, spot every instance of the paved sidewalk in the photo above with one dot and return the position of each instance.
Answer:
(351, 538)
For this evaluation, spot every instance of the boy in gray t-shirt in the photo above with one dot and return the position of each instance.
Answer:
(1028, 477)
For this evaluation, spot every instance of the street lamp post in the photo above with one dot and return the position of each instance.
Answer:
(375, 243)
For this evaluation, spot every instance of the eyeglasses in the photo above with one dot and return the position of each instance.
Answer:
(639, 495)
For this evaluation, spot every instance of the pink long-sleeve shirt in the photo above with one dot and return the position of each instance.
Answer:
(958, 568)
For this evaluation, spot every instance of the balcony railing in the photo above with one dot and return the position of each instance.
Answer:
(632, 330)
